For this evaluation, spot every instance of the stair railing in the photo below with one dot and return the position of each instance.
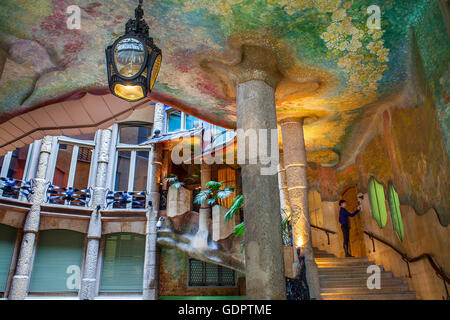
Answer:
(327, 231)
(440, 273)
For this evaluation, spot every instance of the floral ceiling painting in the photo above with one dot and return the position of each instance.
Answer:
(335, 64)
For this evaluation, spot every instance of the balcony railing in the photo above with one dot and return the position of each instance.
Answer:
(68, 196)
(16, 189)
(126, 199)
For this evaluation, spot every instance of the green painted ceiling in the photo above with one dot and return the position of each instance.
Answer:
(333, 65)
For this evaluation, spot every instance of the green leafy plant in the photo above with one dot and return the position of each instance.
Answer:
(234, 209)
(173, 181)
(238, 203)
(286, 228)
(213, 193)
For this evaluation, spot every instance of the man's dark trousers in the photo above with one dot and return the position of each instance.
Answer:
(346, 232)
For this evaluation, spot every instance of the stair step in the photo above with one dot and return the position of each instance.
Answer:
(350, 275)
(343, 263)
(356, 282)
(346, 269)
(371, 296)
(324, 255)
(336, 259)
(399, 288)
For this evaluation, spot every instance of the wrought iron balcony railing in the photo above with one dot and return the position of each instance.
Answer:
(14, 188)
(68, 196)
(124, 199)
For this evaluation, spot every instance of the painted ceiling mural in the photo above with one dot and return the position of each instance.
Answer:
(333, 65)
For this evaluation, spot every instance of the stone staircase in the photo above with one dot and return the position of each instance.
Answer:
(346, 279)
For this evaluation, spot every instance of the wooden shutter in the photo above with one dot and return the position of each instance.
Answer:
(7, 239)
(59, 253)
(228, 175)
(123, 263)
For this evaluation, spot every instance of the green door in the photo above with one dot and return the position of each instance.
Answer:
(7, 239)
(123, 263)
(58, 261)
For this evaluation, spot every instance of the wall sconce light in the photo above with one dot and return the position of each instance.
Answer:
(133, 60)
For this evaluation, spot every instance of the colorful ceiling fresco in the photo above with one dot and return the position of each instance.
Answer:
(332, 65)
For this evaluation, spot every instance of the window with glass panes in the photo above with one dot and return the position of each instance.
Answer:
(179, 121)
(132, 160)
(74, 165)
(14, 165)
(396, 215)
(174, 121)
(377, 202)
(203, 274)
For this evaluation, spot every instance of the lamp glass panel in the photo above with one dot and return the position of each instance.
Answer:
(129, 92)
(129, 56)
(155, 71)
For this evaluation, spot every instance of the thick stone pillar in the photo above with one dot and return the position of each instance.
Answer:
(201, 239)
(264, 266)
(21, 279)
(89, 279)
(295, 165)
(285, 208)
(150, 277)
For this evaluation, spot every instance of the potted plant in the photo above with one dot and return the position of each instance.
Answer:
(213, 193)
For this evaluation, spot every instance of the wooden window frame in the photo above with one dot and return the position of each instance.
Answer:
(131, 174)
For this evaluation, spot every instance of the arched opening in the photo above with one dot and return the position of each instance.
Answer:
(357, 247)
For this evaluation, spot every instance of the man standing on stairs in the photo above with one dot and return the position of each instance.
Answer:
(345, 224)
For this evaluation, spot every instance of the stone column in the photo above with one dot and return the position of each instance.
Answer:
(150, 281)
(201, 239)
(282, 185)
(295, 165)
(89, 279)
(21, 279)
(263, 245)
(158, 119)
(284, 205)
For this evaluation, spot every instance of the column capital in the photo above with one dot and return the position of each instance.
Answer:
(258, 63)
(293, 119)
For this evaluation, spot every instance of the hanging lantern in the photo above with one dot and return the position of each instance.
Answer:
(133, 60)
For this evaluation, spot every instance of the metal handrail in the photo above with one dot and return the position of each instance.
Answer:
(327, 231)
(438, 269)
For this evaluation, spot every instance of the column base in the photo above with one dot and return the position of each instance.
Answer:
(19, 288)
(87, 290)
(312, 277)
(150, 294)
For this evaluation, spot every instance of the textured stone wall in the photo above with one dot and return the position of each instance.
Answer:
(411, 154)
(179, 201)
(423, 234)
(173, 277)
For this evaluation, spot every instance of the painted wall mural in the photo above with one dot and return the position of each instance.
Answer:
(410, 154)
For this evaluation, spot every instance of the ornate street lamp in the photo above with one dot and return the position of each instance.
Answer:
(133, 60)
